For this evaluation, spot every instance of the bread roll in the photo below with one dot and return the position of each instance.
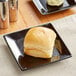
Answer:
(55, 2)
(39, 42)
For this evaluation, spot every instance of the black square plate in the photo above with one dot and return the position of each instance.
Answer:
(44, 8)
(15, 43)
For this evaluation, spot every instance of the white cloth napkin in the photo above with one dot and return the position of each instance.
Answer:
(66, 28)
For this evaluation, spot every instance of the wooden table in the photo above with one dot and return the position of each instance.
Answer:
(28, 15)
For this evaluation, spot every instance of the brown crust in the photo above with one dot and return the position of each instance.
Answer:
(27, 52)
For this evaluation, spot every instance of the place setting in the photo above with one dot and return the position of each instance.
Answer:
(41, 44)
(52, 6)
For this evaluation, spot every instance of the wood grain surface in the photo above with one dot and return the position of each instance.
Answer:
(28, 15)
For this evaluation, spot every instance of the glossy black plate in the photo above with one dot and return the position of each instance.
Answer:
(44, 8)
(15, 43)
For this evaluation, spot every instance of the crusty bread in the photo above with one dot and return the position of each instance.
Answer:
(39, 42)
(55, 2)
